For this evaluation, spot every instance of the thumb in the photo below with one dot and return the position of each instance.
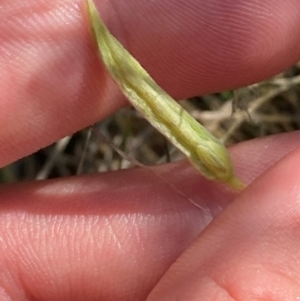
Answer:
(250, 252)
(52, 83)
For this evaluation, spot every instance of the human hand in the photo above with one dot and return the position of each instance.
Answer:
(113, 236)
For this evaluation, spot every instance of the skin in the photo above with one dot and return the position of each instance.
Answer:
(88, 237)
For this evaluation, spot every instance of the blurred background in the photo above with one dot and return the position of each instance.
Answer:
(259, 110)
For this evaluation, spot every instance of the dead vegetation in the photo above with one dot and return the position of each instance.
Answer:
(263, 109)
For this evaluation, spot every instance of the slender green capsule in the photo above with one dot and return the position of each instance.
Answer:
(203, 150)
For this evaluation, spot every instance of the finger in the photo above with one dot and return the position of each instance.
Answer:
(214, 45)
(53, 84)
(250, 252)
(111, 236)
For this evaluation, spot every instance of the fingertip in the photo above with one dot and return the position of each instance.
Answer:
(214, 45)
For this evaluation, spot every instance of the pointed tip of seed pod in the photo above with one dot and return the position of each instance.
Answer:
(235, 183)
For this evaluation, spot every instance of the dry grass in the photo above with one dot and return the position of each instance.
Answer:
(266, 108)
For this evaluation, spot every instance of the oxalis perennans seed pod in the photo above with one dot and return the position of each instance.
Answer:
(204, 151)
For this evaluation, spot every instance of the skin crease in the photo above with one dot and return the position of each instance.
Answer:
(129, 235)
